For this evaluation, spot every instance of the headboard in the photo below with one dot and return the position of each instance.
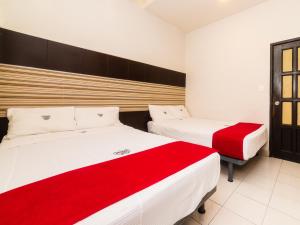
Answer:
(36, 72)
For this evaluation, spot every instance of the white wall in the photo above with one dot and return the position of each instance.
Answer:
(116, 27)
(228, 62)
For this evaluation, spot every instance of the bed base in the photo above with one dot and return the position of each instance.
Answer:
(201, 206)
(231, 162)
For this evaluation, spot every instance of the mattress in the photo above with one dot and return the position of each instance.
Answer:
(31, 158)
(200, 131)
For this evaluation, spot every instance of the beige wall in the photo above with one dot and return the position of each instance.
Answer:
(116, 27)
(228, 62)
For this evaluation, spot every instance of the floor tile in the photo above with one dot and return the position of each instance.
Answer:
(266, 169)
(268, 161)
(275, 217)
(260, 180)
(254, 192)
(286, 198)
(265, 191)
(240, 172)
(291, 168)
(246, 208)
(288, 179)
(226, 217)
(190, 221)
(212, 209)
(258, 187)
(224, 190)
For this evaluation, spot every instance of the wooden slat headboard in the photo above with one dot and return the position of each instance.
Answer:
(31, 87)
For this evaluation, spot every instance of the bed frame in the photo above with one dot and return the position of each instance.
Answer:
(231, 162)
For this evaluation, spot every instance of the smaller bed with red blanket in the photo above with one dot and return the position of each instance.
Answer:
(236, 142)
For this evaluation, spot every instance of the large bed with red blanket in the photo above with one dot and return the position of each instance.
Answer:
(111, 175)
(236, 142)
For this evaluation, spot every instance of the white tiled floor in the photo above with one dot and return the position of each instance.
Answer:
(266, 191)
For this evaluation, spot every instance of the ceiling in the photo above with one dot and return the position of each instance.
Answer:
(192, 14)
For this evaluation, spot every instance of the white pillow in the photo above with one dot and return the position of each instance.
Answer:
(26, 121)
(179, 111)
(161, 112)
(92, 117)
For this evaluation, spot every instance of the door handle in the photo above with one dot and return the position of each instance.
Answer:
(276, 103)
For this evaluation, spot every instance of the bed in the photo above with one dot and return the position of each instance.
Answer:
(28, 159)
(175, 122)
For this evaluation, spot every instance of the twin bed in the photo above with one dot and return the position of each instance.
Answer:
(242, 140)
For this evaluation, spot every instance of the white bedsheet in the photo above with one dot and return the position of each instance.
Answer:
(31, 158)
(200, 131)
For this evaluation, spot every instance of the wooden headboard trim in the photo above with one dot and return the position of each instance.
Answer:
(32, 87)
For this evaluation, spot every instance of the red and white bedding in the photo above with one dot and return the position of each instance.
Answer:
(199, 131)
(35, 158)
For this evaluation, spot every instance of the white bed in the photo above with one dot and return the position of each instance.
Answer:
(34, 157)
(200, 131)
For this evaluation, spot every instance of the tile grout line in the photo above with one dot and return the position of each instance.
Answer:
(240, 216)
(252, 199)
(195, 221)
(268, 204)
(215, 214)
(282, 212)
(222, 205)
(264, 204)
(234, 191)
(279, 210)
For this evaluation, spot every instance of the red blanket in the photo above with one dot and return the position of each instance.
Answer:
(229, 141)
(73, 196)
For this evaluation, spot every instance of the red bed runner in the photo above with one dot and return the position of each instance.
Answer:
(229, 141)
(73, 196)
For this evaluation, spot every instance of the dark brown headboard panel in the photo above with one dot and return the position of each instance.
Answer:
(25, 50)
(3, 127)
(137, 120)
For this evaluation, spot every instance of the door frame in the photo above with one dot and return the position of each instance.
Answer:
(271, 149)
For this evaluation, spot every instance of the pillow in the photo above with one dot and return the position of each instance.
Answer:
(179, 111)
(92, 117)
(26, 121)
(160, 113)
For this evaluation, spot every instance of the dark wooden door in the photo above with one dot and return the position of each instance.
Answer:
(285, 100)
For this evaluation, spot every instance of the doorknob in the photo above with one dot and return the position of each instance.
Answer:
(277, 103)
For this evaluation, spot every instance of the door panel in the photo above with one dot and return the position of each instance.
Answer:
(285, 100)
